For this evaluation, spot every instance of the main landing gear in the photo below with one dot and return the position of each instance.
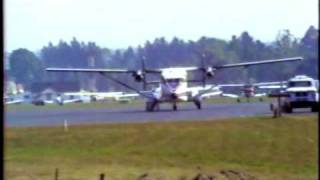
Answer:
(174, 106)
(197, 103)
(152, 105)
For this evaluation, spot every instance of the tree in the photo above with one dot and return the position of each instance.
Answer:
(310, 51)
(25, 67)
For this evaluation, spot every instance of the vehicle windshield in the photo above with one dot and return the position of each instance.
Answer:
(174, 82)
(299, 84)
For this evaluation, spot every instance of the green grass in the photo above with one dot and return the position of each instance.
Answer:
(284, 148)
(112, 104)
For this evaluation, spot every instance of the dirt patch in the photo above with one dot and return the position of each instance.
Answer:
(237, 175)
(147, 176)
(221, 175)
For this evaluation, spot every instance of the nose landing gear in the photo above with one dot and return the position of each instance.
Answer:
(197, 103)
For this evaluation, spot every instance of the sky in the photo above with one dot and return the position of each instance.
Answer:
(116, 24)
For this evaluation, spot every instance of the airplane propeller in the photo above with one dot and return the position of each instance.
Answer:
(203, 66)
(140, 75)
(143, 65)
(207, 71)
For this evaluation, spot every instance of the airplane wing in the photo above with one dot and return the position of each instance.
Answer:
(231, 85)
(260, 95)
(126, 96)
(49, 101)
(207, 91)
(210, 94)
(14, 102)
(89, 70)
(96, 94)
(246, 64)
(71, 100)
(99, 70)
(230, 95)
(145, 94)
(103, 70)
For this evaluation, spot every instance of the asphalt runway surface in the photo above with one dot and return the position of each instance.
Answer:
(54, 117)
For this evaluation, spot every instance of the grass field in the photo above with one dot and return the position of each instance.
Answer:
(284, 148)
(112, 104)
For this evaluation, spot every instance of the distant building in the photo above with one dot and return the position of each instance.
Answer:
(51, 90)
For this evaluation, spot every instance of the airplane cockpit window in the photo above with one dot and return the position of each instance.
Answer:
(174, 82)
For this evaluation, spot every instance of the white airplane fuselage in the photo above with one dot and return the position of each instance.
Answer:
(173, 86)
(249, 91)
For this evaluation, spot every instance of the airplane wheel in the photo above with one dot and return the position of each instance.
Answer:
(314, 109)
(157, 108)
(238, 100)
(287, 108)
(198, 104)
(271, 106)
(149, 106)
(174, 107)
(260, 99)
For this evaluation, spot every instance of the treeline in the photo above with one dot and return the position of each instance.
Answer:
(26, 67)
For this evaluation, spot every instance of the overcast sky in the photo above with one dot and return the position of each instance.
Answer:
(115, 24)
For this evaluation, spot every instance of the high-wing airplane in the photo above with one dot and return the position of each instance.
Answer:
(12, 100)
(251, 89)
(95, 96)
(172, 84)
(125, 97)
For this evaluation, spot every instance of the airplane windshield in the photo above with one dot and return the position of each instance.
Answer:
(174, 82)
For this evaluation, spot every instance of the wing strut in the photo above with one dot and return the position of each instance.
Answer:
(125, 85)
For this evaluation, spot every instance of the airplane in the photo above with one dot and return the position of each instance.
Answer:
(12, 100)
(125, 97)
(95, 96)
(172, 84)
(250, 90)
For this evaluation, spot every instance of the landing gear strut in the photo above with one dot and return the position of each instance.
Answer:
(174, 106)
(150, 105)
(198, 104)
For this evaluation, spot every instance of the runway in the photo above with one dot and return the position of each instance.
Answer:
(188, 111)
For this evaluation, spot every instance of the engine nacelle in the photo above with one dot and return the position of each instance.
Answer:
(138, 76)
(210, 72)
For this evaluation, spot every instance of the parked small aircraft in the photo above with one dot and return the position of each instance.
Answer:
(12, 100)
(94, 96)
(251, 89)
(172, 81)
